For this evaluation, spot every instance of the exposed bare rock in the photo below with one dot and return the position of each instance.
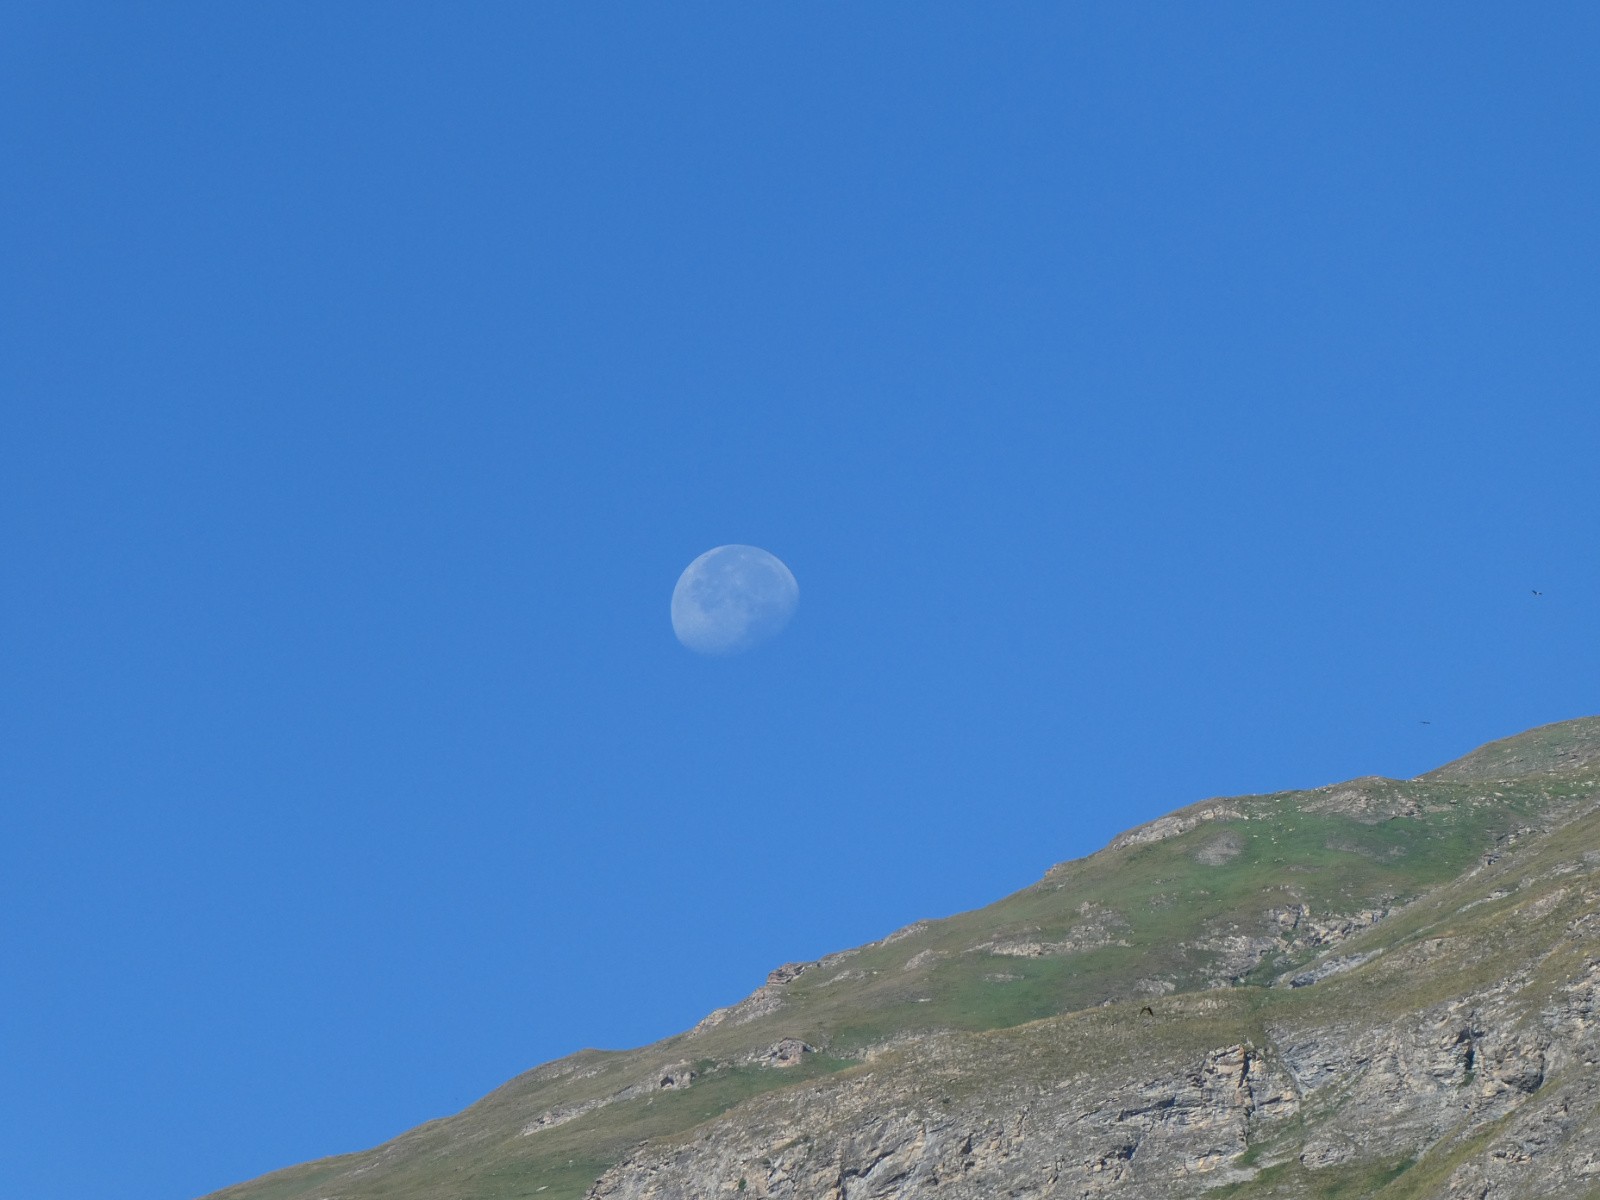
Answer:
(847, 975)
(787, 1052)
(675, 1076)
(1097, 926)
(1220, 849)
(672, 1077)
(1179, 823)
(762, 1002)
(550, 1118)
(788, 973)
(1082, 1136)
(899, 935)
(1327, 967)
(1132, 1127)
(1369, 800)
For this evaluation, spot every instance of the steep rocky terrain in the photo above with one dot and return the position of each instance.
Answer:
(1378, 988)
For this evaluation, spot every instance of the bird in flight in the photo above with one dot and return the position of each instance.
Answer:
(1537, 592)
(1424, 722)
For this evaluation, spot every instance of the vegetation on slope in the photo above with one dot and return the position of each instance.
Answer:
(1238, 895)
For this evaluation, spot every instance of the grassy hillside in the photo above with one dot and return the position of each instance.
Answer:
(1228, 911)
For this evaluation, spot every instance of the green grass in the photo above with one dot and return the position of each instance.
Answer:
(1352, 1181)
(1167, 901)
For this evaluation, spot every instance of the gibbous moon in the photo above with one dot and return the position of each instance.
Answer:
(731, 598)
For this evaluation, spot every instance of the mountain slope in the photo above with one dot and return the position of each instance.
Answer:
(1383, 987)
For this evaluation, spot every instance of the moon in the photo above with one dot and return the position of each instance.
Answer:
(732, 598)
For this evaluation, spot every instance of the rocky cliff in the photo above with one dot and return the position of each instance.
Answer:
(1378, 988)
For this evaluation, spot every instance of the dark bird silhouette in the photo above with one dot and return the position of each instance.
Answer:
(1425, 722)
(1537, 592)
(1147, 1011)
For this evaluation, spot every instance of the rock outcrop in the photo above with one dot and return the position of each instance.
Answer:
(1495, 1088)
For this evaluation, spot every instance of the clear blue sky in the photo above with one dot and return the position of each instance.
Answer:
(1153, 401)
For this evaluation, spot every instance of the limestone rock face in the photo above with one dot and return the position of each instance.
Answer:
(1507, 1077)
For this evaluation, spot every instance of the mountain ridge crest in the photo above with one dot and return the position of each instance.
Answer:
(1241, 957)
